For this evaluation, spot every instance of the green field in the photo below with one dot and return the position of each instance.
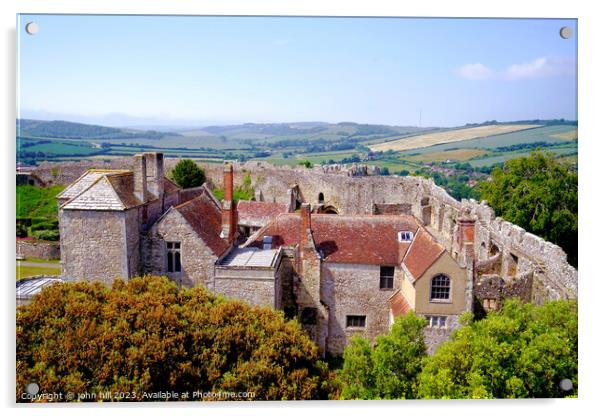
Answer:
(59, 147)
(33, 201)
(541, 134)
(492, 160)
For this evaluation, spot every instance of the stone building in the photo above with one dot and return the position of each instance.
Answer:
(399, 244)
(349, 274)
(103, 213)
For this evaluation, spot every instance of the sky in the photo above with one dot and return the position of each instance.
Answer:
(198, 70)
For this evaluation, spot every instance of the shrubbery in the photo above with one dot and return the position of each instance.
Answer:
(147, 335)
(47, 235)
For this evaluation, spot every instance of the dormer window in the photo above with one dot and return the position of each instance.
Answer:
(405, 236)
(267, 242)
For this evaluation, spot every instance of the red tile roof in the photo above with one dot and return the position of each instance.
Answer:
(257, 213)
(363, 239)
(422, 253)
(205, 217)
(399, 304)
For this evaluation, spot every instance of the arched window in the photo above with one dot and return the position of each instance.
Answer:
(440, 287)
(320, 198)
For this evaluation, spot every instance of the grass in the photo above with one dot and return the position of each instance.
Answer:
(28, 271)
(488, 161)
(568, 135)
(442, 156)
(450, 136)
(541, 134)
(33, 201)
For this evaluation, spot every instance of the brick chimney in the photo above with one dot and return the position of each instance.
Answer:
(466, 234)
(229, 214)
(466, 230)
(140, 184)
(305, 230)
(155, 174)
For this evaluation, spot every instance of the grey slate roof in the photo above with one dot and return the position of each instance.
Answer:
(250, 257)
(99, 196)
(84, 182)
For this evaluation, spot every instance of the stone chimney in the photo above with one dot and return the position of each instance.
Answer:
(155, 174)
(140, 184)
(229, 220)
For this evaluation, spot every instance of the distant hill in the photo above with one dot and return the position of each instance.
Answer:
(68, 130)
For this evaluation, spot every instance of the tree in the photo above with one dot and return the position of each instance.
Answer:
(188, 174)
(147, 335)
(390, 369)
(539, 194)
(522, 351)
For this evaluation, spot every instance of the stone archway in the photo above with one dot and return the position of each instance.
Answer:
(328, 209)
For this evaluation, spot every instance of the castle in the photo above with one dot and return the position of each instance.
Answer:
(345, 254)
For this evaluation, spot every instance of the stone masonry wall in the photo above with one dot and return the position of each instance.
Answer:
(38, 250)
(93, 245)
(255, 286)
(352, 289)
(197, 259)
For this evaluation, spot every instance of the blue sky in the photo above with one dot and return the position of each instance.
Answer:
(142, 70)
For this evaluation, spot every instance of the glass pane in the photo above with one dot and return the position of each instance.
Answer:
(178, 267)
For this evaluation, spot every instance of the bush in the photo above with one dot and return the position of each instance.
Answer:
(522, 351)
(46, 235)
(45, 225)
(390, 369)
(147, 336)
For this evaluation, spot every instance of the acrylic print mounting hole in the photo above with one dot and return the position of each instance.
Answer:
(32, 28)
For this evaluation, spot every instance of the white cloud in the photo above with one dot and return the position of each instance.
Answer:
(534, 69)
(476, 71)
(537, 68)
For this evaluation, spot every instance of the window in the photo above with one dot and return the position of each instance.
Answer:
(174, 264)
(405, 236)
(386, 277)
(440, 286)
(309, 316)
(436, 321)
(356, 321)
(320, 198)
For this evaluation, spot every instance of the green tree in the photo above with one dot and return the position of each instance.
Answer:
(390, 369)
(306, 163)
(522, 351)
(147, 335)
(188, 174)
(539, 194)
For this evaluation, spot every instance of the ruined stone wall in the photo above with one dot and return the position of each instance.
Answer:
(38, 250)
(353, 289)
(197, 259)
(93, 245)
